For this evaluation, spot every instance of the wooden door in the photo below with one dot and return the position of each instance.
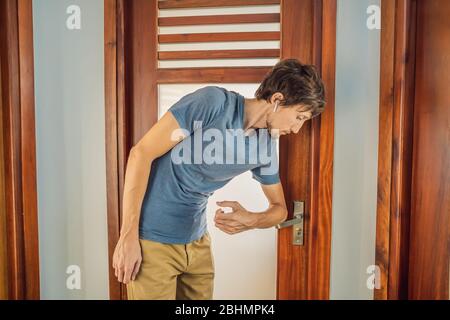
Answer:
(429, 250)
(132, 76)
(413, 216)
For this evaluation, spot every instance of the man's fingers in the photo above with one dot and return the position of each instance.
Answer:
(127, 274)
(222, 226)
(120, 274)
(137, 265)
(226, 228)
(230, 223)
(224, 216)
(232, 204)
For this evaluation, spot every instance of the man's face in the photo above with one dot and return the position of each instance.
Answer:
(287, 119)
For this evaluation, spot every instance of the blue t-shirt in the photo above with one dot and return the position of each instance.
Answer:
(214, 151)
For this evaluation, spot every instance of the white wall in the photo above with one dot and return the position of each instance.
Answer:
(71, 173)
(355, 151)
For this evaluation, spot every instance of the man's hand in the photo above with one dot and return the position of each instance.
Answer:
(237, 221)
(127, 259)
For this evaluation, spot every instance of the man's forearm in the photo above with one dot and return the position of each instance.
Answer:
(136, 179)
(271, 217)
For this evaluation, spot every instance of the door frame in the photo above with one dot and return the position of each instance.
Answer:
(398, 32)
(131, 79)
(19, 148)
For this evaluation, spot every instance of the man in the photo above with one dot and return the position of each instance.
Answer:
(205, 139)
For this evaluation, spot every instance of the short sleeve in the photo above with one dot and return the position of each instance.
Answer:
(268, 173)
(198, 108)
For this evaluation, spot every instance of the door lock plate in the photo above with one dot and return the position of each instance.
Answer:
(297, 224)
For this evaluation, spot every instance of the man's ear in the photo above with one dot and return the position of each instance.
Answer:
(276, 96)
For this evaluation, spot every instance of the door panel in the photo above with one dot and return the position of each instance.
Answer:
(413, 188)
(430, 206)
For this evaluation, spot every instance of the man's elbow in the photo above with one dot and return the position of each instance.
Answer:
(138, 153)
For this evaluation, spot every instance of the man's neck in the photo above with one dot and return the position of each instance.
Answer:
(255, 113)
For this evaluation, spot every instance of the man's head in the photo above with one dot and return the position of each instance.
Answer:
(296, 92)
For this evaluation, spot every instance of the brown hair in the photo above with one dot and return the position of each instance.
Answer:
(299, 83)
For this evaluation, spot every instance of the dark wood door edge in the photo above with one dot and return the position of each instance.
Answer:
(16, 49)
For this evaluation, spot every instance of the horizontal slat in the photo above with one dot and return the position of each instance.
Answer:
(217, 63)
(176, 4)
(219, 19)
(219, 54)
(214, 37)
(231, 45)
(212, 75)
(187, 12)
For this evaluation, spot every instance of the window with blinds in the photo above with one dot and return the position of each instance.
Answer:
(227, 33)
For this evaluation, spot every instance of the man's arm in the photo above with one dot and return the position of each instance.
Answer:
(156, 142)
(277, 211)
(241, 220)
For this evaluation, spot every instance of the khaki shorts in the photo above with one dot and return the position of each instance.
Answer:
(174, 271)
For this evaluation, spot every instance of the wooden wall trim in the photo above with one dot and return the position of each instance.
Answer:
(112, 88)
(322, 155)
(19, 149)
(3, 235)
(28, 152)
(211, 74)
(118, 116)
(11, 102)
(143, 65)
(395, 146)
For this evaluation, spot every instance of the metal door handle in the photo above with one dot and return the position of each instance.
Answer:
(288, 223)
(297, 223)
